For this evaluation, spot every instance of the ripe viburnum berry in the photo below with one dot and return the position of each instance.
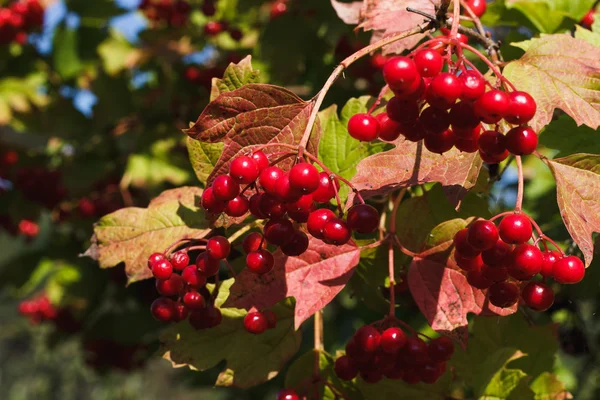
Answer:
(363, 127)
(429, 62)
(255, 323)
(568, 270)
(515, 229)
(521, 109)
(521, 140)
(260, 261)
(400, 72)
(363, 218)
(304, 177)
(492, 106)
(538, 296)
(503, 294)
(244, 170)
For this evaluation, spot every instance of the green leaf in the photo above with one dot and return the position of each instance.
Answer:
(564, 136)
(301, 371)
(499, 347)
(95, 12)
(548, 387)
(66, 56)
(19, 93)
(251, 359)
(203, 157)
(115, 53)
(576, 9)
(396, 389)
(132, 234)
(560, 71)
(339, 151)
(540, 14)
(587, 35)
(235, 76)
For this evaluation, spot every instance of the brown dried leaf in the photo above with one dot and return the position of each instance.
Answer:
(313, 279)
(578, 194)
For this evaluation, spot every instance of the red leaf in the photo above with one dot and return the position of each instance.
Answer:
(253, 115)
(444, 296)
(411, 164)
(577, 191)
(348, 12)
(313, 279)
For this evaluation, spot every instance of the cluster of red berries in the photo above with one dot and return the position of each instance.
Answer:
(501, 260)
(172, 12)
(374, 353)
(38, 309)
(177, 278)
(19, 19)
(426, 106)
(104, 198)
(284, 198)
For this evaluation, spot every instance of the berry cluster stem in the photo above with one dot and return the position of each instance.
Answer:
(318, 345)
(318, 101)
(455, 19)
(520, 186)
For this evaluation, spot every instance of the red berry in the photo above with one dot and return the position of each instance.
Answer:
(503, 294)
(304, 203)
(444, 90)
(193, 300)
(180, 260)
(478, 280)
(304, 177)
(429, 373)
(463, 117)
(492, 143)
(500, 255)
(284, 191)
(515, 229)
(208, 8)
(255, 323)
(392, 340)
(170, 287)
(440, 349)
(538, 296)
(468, 146)
(237, 207)
(162, 270)
(413, 132)
(368, 339)
(493, 159)
(414, 351)
(389, 129)
(400, 72)
(268, 179)
(181, 312)
(218, 247)
(213, 28)
(477, 6)
(522, 108)
(495, 274)
(317, 221)
(261, 160)
(439, 143)
(255, 206)
(325, 191)
(300, 216)
(363, 218)
(225, 188)
(210, 202)
(550, 257)
(468, 134)
(155, 258)
(336, 232)
(193, 277)
(163, 309)
(403, 111)
(260, 261)
(270, 206)
(435, 120)
(287, 394)
(568, 270)
(588, 19)
(473, 86)
(492, 106)
(527, 262)
(278, 231)
(207, 317)
(482, 235)
(271, 319)
(429, 62)
(207, 265)
(345, 368)
(244, 170)
(462, 245)
(297, 245)
(363, 127)
(278, 8)
(253, 241)
(378, 61)
(521, 140)
(468, 264)
(414, 92)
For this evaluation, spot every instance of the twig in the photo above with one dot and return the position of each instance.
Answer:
(520, 186)
(318, 345)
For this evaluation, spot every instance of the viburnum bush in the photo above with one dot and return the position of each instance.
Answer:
(423, 234)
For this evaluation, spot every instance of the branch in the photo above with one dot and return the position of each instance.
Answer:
(519, 204)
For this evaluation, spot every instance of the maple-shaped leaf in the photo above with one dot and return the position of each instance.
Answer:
(578, 194)
(252, 115)
(390, 17)
(130, 235)
(441, 289)
(411, 164)
(250, 359)
(313, 279)
(562, 72)
(235, 76)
